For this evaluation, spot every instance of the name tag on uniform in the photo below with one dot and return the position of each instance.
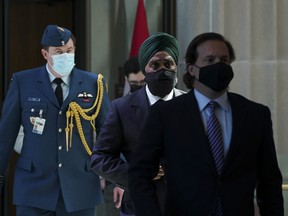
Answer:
(39, 125)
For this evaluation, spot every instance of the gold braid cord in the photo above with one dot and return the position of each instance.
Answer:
(76, 112)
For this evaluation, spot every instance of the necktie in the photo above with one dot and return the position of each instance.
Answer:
(214, 134)
(58, 90)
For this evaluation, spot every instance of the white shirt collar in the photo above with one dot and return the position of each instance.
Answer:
(153, 98)
(52, 77)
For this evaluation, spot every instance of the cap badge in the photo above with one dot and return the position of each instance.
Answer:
(61, 29)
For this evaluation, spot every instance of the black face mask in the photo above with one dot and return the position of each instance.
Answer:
(161, 83)
(216, 76)
(134, 88)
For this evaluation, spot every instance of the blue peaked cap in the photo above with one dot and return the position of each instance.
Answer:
(55, 36)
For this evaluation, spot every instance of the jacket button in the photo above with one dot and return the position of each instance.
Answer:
(59, 165)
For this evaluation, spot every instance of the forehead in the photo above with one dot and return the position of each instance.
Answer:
(212, 48)
(161, 55)
(136, 77)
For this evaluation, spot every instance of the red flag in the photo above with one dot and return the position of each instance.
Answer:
(140, 32)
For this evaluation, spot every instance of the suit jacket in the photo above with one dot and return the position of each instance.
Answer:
(174, 130)
(120, 135)
(44, 167)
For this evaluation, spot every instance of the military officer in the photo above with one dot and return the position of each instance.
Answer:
(61, 109)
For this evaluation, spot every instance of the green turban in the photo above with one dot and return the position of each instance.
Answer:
(156, 43)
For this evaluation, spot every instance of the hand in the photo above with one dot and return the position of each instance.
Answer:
(102, 183)
(159, 174)
(117, 196)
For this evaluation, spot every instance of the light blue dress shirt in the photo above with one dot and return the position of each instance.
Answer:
(223, 114)
(65, 84)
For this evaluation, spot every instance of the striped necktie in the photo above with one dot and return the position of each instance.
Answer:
(215, 138)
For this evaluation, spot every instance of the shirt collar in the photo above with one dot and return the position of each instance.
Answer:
(52, 77)
(153, 98)
(203, 101)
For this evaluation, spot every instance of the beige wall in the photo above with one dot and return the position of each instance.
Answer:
(258, 31)
(111, 28)
(256, 28)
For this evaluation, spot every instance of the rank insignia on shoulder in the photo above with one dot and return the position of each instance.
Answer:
(85, 96)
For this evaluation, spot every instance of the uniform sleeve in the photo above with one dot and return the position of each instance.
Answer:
(103, 109)
(9, 126)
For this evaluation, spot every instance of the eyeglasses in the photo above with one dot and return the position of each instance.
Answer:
(137, 83)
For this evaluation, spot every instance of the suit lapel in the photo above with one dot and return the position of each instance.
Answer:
(140, 105)
(238, 126)
(197, 131)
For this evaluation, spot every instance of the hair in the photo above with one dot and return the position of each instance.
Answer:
(72, 37)
(131, 66)
(192, 53)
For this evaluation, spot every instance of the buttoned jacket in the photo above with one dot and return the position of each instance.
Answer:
(45, 167)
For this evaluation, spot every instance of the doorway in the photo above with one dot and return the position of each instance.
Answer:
(21, 31)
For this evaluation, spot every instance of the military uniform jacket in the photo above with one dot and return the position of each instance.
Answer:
(44, 166)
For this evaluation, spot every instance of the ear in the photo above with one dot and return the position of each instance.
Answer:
(44, 53)
(191, 69)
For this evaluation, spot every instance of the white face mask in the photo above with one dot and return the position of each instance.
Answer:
(63, 63)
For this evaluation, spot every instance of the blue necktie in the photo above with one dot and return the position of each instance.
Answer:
(215, 138)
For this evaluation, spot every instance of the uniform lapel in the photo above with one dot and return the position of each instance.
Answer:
(44, 86)
(75, 87)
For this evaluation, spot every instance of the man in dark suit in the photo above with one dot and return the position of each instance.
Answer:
(223, 155)
(134, 80)
(158, 58)
(53, 175)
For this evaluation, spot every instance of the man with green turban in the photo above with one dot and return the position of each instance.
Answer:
(155, 54)
(158, 58)
(156, 43)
